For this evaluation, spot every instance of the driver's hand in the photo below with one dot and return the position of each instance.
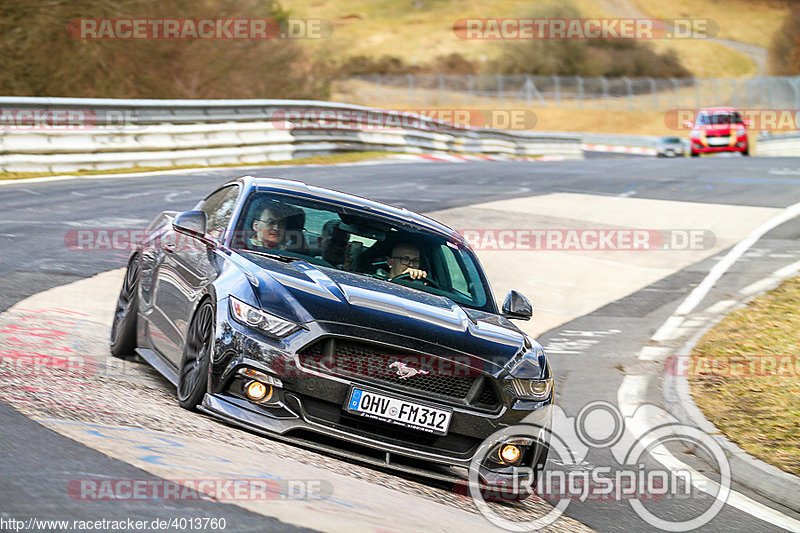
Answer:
(415, 273)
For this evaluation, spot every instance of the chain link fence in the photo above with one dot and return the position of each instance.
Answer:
(621, 94)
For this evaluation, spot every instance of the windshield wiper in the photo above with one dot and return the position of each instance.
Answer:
(277, 257)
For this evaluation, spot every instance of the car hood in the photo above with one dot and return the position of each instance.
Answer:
(304, 292)
(717, 129)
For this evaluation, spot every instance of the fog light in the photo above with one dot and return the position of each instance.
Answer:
(257, 391)
(509, 453)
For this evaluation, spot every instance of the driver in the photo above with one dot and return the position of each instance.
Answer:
(270, 230)
(404, 259)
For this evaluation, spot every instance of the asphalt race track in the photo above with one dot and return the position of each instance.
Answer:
(595, 310)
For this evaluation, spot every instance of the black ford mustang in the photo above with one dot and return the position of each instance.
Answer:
(341, 323)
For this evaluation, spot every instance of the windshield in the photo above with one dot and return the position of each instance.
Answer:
(721, 118)
(349, 240)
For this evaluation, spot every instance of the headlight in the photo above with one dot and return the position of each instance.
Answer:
(739, 132)
(526, 373)
(261, 320)
(532, 389)
(529, 364)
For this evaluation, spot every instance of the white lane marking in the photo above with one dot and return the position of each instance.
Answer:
(719, 307)
(653, 353)
(129, 195)
(787, 271)
(629, 398)
(668, 329)
(574, 342)
(771, 280)
(632, 390)
(758, 286)
(211, 170)
(36, 180)
(170, 197)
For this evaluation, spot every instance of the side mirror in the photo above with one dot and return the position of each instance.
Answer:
(517, 306)
(190, 222)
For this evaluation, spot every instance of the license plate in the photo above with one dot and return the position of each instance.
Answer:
(396, 411)
(718, 141)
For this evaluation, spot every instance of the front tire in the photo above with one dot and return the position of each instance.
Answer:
(123, 328)
(196, 358)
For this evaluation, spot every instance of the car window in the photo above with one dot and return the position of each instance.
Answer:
(218, 208)
(702, 119)
(722, 118)
(359, 242)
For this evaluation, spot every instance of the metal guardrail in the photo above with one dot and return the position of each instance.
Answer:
(69, 134)
(577, 92)
(782, 144)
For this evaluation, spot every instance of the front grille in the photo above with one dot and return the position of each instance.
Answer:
(370, 363)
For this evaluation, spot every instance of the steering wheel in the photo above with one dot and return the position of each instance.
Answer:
(427, 281)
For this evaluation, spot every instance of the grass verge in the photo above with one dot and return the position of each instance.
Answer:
(347, 157)
(748, 21)
(745, 376)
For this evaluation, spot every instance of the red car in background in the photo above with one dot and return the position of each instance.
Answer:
(718, 129)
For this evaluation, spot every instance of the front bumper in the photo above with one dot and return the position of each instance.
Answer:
(308, 409)
(701, 145)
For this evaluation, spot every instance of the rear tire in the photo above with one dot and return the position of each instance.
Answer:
(123, 328)
(746, 151)
(695, 154)
(196, 358)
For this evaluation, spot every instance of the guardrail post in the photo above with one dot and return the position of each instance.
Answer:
(557, 85)
(696, 93)
(410, 80)
(500, 94)
(676, 100)
(629, 88)
(471, 86)
(379, 83)
(528, 95)
(441, 88)
(794, 85)
(604, 88)
(654, 93)
(579, 81)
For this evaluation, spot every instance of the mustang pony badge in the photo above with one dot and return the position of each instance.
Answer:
(404, 371)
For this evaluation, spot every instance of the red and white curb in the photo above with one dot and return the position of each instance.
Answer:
(452, 158)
